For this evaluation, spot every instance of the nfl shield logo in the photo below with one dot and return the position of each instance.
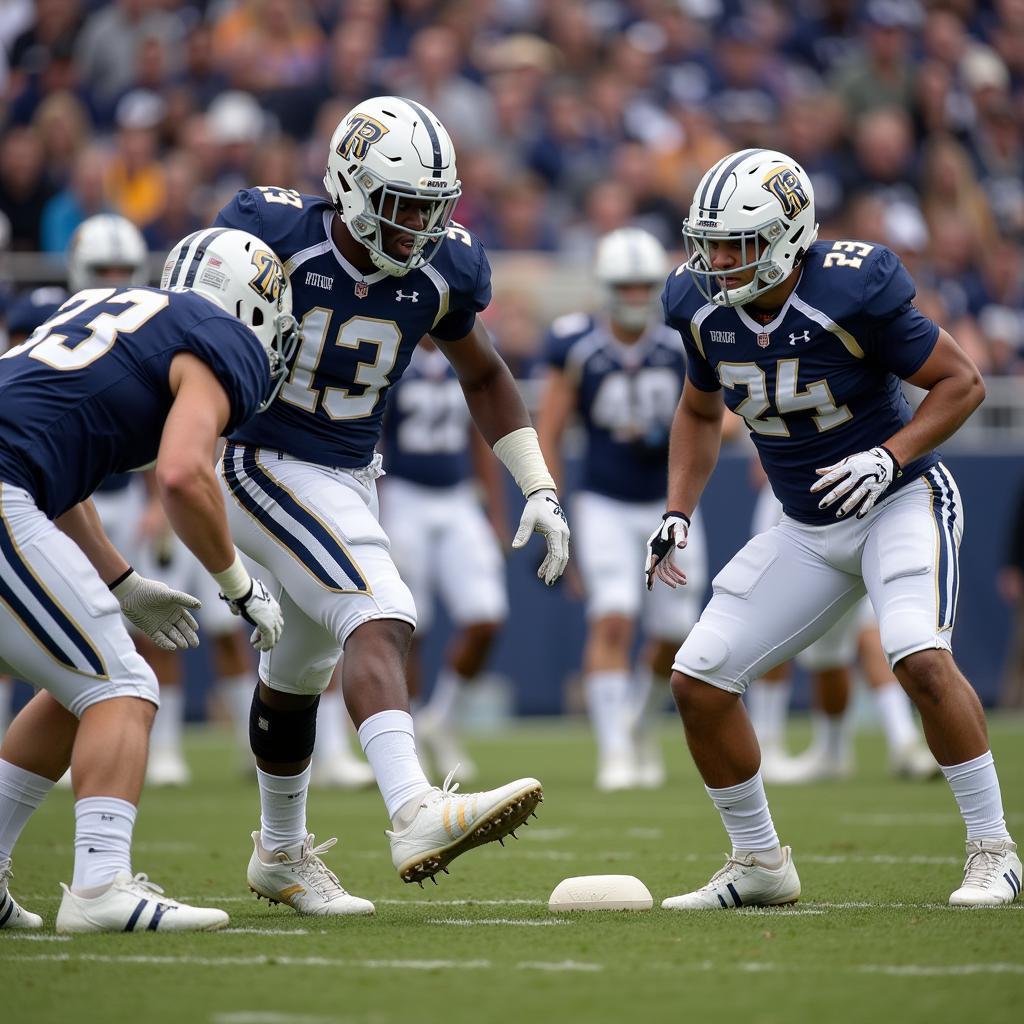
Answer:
(362, 289)
(763, 340)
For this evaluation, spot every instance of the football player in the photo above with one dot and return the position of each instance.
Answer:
(450, 546)
(621, 373)
(373, 269)
(116, 379)
(808, 341)
(108, 250)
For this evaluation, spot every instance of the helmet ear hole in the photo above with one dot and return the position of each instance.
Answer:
(257, 317)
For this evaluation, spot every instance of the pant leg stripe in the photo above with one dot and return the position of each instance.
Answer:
(943, 579)
(951, 496)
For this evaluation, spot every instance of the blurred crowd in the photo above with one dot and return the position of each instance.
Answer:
(571, 118)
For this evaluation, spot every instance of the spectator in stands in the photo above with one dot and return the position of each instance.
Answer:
(63, 126)
(609, 205)
(85, 194)
(1011, 589)
(136, 178)
(632, 164)
(884, 154)
(24, 190)
(1000, 307)
(181, 211)
(57, 24)
(524, 216)
(949, 185)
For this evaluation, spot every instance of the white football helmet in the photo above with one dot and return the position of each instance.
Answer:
(385, 150)
(106, 250)
(630, 256)
(762, 200)
(241, 274)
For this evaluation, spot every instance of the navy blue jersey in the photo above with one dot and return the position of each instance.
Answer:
(87, 395)
(358, 331)
(626, 396)
(28, 311)
(822, 380)
(427, 424)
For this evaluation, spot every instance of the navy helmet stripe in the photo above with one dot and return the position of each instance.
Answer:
(708, 179)
(723, 177)
(186, 244)
(435, 139)
(133, 920)
(60, 617)
(200, 252)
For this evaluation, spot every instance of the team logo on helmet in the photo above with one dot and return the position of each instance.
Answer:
(360, 134)
(788, 189)
(269, 282)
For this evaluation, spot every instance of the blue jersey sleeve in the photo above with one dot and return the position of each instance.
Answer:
(678, 306)
(243, 212)
(564, 333)
(237, 359)
(898, 335)
(464, 264)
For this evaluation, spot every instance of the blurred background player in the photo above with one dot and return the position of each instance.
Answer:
(335, 764)
(621, 373)
(830, 660)
(109, 251)
(449, 549)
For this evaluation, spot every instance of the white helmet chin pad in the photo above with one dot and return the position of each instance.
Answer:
(630, 256)
(240, 273)
(389, 150)
(104, 244)
(762, 201)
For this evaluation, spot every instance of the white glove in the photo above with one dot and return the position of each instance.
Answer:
(159, 612)
(543, 514)
(867, 475)
(662, 544)
(260, 609)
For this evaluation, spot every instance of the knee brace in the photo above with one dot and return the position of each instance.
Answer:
(281, 737)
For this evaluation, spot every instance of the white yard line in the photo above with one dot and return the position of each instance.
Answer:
(469, 922)
(263, 1017)
(263, 931)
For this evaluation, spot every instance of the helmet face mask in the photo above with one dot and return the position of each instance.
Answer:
(239, 273)
(385, 152)
(107, 251)
(628, 263)
(760, 203)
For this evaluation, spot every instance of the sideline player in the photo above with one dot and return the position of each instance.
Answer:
(621, 374)
(810, 341)
(373, 270)
(118, 378)
(433, 457)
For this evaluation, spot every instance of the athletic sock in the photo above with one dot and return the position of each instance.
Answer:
(166, 732)
(746, 817)
(283, 810)
(330, 736)
(389, 742)
(103, 842)
(608, 702)
(976, 788)
(767, 705)
(831, 738)
(444, 697)
(650, 694)
(897, 719)
(237, 694)
(21, 792)
(6, 692)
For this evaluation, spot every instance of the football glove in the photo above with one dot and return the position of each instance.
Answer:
(543, 514)
(865, 477)
(671, 535)
(156, 610)
(260, 609)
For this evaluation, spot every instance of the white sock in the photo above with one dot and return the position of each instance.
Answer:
(388, 740)
(976, 788)
(650, 694)
(831, 737)
(330, 734)
(767, 705)
(238, 691)
(608, 701)
(6, 693)
(283, 810)
(103, 842)
(21, 792)
(166, 731)
(745, 815)
(894, 711)
(445, 696)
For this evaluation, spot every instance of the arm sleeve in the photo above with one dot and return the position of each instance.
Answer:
(555, 349)
(896, 334)
(243, 213)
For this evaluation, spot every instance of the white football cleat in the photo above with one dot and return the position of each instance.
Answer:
(134, 904)
(616, 773)
(992, 874)
(743, 882)
(341, 771)
(448, 824)
(442, 747)
(305, 884)
(166, 767)
(12, 915)
(812, 766)
(914, 761)
(650, 762)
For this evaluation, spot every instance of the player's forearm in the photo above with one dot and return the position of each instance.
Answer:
(195, 508)
(495, 403)
(692, 455)
(82, 524)
(945, 408)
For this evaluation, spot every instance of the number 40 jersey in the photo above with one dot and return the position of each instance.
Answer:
(358, 331)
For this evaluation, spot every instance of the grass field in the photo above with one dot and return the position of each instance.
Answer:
(872, 938)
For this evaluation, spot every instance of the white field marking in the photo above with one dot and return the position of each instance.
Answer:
(940, 970)
(263, 931)
(139, 846)
(262, 1017)
(33, 937)
(547, 835)
(302, 961)
(469, 922)
(778, 911)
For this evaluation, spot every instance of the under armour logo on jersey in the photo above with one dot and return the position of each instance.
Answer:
(413, 296)
(794, 338)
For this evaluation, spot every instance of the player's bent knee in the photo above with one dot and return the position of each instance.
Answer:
(695, 697)
(142, 685)
(927, 675)
(280, 736)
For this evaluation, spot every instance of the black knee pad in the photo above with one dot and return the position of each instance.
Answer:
(281, 737)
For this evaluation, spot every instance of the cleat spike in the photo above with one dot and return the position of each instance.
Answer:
(433, 879)
(500, 840)
(513, 835)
